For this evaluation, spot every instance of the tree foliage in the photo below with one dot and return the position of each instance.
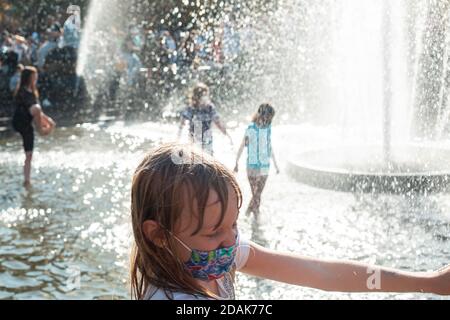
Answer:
(32, 14)
(172, 14)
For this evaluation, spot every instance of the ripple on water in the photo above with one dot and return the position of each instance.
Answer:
(6, 251)
(11, 282)
(7, 233)
(86, 201)
(61, 272)
(45, 278)
(15, 265)
(25, 243)
(37, 259)
(5, 295)
(33, 295)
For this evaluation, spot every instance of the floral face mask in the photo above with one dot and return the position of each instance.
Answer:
(210, 265)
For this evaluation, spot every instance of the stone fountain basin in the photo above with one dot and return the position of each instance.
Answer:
(411, 168)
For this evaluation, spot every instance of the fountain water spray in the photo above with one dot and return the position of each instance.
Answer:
(395, 163)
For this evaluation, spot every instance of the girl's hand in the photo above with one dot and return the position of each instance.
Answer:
(45, 132)
(442, 281)
(47, 121)
(52, 122)
(48, 125)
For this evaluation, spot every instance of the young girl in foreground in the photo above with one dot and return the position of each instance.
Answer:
(258, 140)
(185, 207)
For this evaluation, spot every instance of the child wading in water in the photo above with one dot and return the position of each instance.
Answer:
(29, 116)
(201, 114)
(258, 140)
(185, 209)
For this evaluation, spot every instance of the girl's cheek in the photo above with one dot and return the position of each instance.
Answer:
(185, 257)
(213, 244)
(182, 253)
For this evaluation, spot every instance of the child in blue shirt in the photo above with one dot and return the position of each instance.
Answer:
(258, 140)
(201, 114)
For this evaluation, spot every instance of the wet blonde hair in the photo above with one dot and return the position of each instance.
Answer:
(161, 188)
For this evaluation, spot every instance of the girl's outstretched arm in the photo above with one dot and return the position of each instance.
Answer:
(275, 161)
(342, 276)
(223, 129)
(239, 154)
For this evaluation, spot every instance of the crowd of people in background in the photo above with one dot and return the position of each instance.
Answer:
(141, 51)
(23, 48)
(48, 61)
(165, 56)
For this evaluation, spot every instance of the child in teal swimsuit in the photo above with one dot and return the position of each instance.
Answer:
(258, 140)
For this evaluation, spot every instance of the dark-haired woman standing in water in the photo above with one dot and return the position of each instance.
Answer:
(29, 112)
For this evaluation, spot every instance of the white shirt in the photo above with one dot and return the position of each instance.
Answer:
(225, 284)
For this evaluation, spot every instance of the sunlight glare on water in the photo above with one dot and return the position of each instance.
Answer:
(86, 223)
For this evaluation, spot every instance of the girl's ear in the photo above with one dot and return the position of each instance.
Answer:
(152, 231)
